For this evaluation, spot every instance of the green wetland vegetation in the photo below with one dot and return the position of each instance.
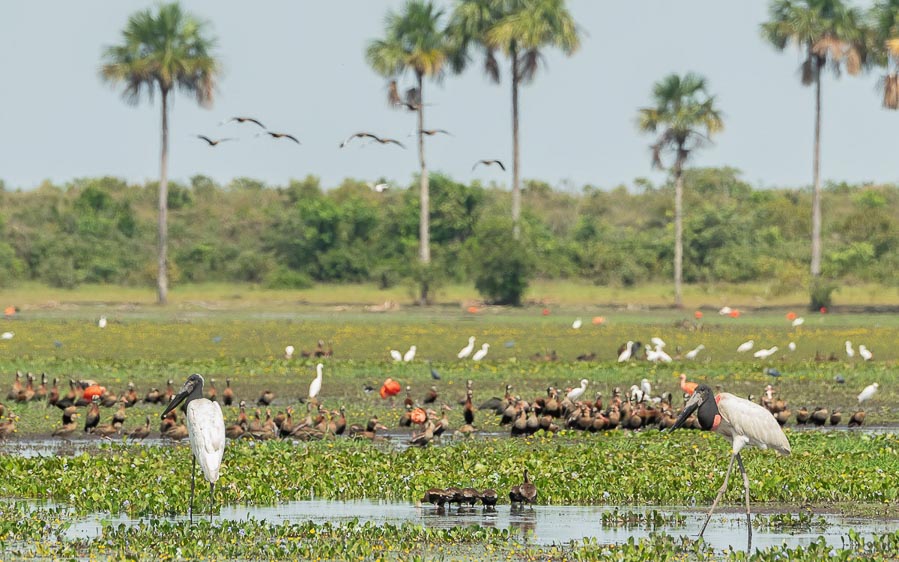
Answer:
(831, 470)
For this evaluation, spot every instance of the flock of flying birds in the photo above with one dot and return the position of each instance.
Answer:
(362, 135)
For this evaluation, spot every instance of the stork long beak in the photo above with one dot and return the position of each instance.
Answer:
(690, 407)
(178, 398)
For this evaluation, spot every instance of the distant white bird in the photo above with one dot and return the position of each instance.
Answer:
(481, 353)
(849, 351)
(798, 321)
(636, 395)
(725, 310)
(657, 354)
(410, 355)
(868, 392)
(646, 388)
(694, 352)
(577, 324)
(396, 355)
(865, 352)
(765, 353)
(206, 433)
(316, 385)
(658, 342)
(288, 352)
(745, 346)
(102, 322)
(626, 354)
(466, 351)
(791, 346)
(7, 335)
(379, 187)
(575, 393)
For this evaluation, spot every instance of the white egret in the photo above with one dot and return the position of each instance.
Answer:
(481, 353)
(791, 346)
(206, 432)
(636, 395)
(577, 324)
(850, 353)
(798, 322)
(316, 385)
(466, 351)
(694, 352)
(864, 352)
(868, 392)
(410, 355)
(742, 423)
(646, 388)
(725, 310)
(658, 342)
(765, 353)
(288, 352)
(7, 335)
(657, 354)
(396, 355)
(626, 354)
(102, 322)
(745, 346)
(575, 393)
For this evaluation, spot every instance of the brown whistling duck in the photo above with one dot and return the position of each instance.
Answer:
(212, 394)
(488, 498)
(169, 392)
(41, 391)
(425, 437)
(470, 496)
(431, 396)
(256, 423)
(53, 395)
(130, 396)
(176, 432)
(286, 426)
(520, 425)
(236, 430)
(279, 419)
(242, 414)
(168, 422)
(152, 396)
(370, 431)
(802, 416)
(783, 417)
(509, 413)
(527, 490)
(8, 427)
(835, 417)
(27, 393)
(108, 399)
(228, 393)
(341, 421)
(105, 430)
(266, 398)
(118, 418)
(16, 387)
(468, 410)
(69, 413)
(857, 419)
(442, 423)
(407, 401)
(68, 428)
(142, 431)
(819, 416)
(406, 418)
(92, 419)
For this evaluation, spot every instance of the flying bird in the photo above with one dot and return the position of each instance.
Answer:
(488, 163)
(282, 136)
(742, 423)
(245, 120)
(868, 392)
(432, 132)
(374, 137)
(215, 141)
(206, 433)
(379, 187)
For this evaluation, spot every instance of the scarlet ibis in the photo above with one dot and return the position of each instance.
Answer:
(687, 386)
(206, 432)
(466, 351)
(742, 423)
(868, 392)
(481, 353)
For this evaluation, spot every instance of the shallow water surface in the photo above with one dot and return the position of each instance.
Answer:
(545, 524)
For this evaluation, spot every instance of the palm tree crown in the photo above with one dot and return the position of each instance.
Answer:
(885, 47)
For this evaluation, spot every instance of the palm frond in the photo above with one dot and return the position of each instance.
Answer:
(393, 95)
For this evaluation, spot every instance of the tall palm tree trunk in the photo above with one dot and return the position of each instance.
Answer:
(816, 181)
(679, 229)
(516, 188)
(424, 251)
(162, 279)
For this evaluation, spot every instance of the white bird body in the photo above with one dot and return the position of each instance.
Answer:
(747, 423)
(658, 342)
(791, 346)
(316, 385)
(577, 324)
(396, 355)
(765, 353)
(626, 354)
(288, 351)
(868, 392)
(466, 351)
(725, 310)
(745, 346)
(7, 335)
(410, 355)
(379, 187)
(575, 393)
(206, 431)
(864, 352)
(102, 322)
(635, 394)
(481, 353)
(798, 322)
(694, 352)
(646, 388)
(849, 351)
(657, 354)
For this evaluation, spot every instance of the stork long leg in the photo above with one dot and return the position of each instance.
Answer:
(211, 500)
(748, 516)
(193, 474)
(720, 494)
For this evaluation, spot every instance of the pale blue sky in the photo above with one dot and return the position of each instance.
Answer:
(298, 66)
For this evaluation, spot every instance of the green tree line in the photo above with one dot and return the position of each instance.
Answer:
(103, 230)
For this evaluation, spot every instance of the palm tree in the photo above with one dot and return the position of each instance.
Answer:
(414, 41)
(826, 32)
(885, 35)
(164, 50)
(685, 116)
(519, 29)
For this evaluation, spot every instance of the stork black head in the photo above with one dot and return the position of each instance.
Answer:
(192, 389)
(704, 400)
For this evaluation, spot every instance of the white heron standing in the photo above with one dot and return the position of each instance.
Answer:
(791, 346)
(742, 423)
(626, 354)
(798, 322)
(396, 355)
(316, 385)
(481, 353)
(850, 353)
(410, 355)
(288, 351)
(466, 351)
(694, 352)
(765, 353)
(745, 346)
(7, 335)
(864, 352)
(646, 388)
(575, 393)
(577, 324)
(102, 322)
(206, 432)
(868, 392)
